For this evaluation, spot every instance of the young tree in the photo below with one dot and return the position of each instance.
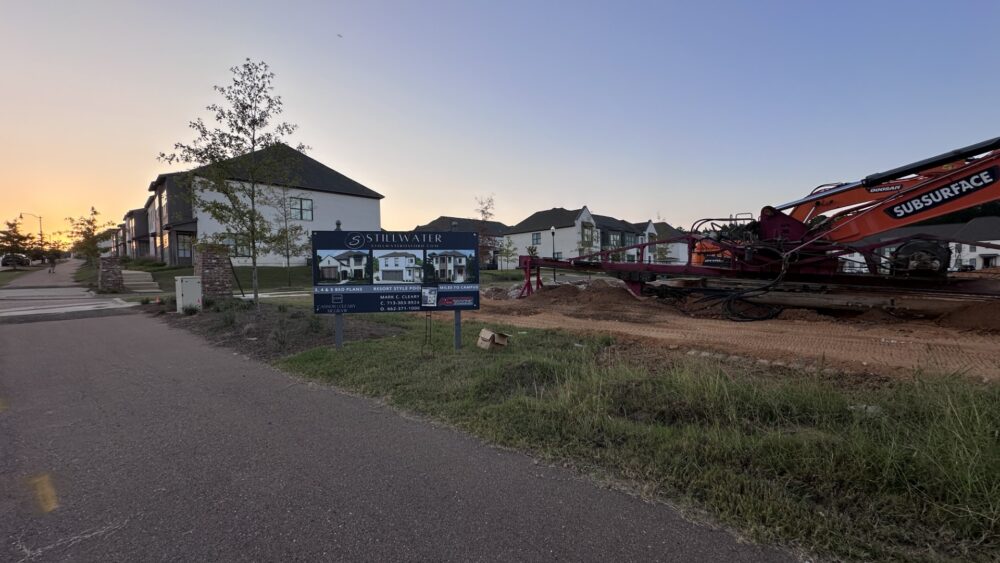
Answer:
(508, 251)
(14, 241)
(289, 238)
(487, 242)
(87, 233)
(235, 170)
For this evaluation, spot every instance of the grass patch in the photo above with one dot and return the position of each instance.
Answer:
(86, 275)
(905, 470)
(489, 276)
(164, 277)
(7, 276)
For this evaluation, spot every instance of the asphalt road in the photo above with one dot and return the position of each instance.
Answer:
(122, 439)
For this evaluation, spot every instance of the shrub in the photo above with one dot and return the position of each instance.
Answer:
(145, 301)
(228, 318)
(190, 310)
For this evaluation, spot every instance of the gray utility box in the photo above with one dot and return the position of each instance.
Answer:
(188, 292)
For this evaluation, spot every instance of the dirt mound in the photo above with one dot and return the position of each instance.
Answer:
(802, 315)
(875, 316)
(596, 292)
(976, 316)
(985, 273)
(497, 293)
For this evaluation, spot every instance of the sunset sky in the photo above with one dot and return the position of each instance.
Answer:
(639, 110)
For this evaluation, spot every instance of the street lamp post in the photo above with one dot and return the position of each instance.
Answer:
(41, 235)
(552, 230)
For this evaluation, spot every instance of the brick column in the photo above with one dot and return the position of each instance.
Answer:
(211, 264)
(109, 275)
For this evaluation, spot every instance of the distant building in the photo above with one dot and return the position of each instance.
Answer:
(318, 197)
(491, 235)
(555, 233)
(978, 230)
(136, 233)
(569, 233)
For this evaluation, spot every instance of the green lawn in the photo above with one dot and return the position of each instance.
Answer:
(7, 276)
(270, 278)
(895, 470)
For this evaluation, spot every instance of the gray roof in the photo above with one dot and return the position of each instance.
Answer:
(399, 255)
(980, 229)
(297, 171)
(448, 253)
(463, 225)
(606, 223)
(665, 231)
(348, 254)
(542, 220)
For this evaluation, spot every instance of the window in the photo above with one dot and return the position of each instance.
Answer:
(587, 235)
(972, 248)
(358, 260)
(302, 208)
(972, 262)
(558, 256)
(629, 239)
(184, 243)
(536, 239)
(615, 239)
(239, 246)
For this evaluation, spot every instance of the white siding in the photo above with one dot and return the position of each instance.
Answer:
(355, 214)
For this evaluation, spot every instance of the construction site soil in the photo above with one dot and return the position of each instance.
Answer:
(965, 341)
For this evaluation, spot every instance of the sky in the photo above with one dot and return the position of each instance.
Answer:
(639, 110)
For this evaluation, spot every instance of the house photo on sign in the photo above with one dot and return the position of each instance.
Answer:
(378, 271)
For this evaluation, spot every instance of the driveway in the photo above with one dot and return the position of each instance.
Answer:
(122, 439)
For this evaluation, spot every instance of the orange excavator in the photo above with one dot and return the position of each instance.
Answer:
(809, 238)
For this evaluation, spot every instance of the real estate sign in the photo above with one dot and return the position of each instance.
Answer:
(392, 271)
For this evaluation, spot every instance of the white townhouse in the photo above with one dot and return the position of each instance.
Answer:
(675, 251)
(449, 265)
(569, 233)
(399, 266)
(556, 233)
(316, 195)
(342, 267)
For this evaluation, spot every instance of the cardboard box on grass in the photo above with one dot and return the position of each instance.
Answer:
(489, 339)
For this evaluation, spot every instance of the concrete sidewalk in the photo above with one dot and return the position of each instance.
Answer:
(132, 441)
(44, 293)
(62, 277)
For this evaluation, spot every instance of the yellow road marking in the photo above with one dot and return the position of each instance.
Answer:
(45, 493)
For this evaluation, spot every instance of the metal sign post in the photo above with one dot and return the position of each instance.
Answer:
(458, 329)
(338, 330)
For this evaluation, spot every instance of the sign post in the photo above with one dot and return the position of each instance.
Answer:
(393, 272)
(338, 330)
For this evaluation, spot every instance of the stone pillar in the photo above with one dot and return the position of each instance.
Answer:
(211, 264)
(109, 275)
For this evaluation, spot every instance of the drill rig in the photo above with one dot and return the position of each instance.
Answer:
(809, 239)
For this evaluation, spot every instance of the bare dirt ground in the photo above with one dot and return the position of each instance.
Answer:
(874, 342)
